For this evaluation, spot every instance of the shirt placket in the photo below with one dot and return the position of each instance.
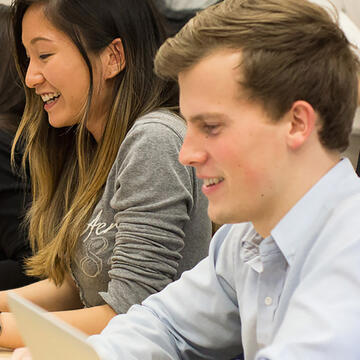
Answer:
(271, 282)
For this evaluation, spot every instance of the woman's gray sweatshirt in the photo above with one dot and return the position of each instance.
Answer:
(151, 223)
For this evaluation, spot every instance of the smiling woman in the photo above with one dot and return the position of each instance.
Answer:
(49, 70)
(115, 217)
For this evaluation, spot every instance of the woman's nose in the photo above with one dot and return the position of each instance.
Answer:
(34, 76)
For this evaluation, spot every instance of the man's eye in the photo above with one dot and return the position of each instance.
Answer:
(211, 129)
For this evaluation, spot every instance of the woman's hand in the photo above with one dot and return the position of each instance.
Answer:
(10, 337)
(21, 354)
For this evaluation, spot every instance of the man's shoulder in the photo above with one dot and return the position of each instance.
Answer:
(338, 237)
(345, 216)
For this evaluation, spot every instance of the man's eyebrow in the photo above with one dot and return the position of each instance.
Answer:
(205, 116)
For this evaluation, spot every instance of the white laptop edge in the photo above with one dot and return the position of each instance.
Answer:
(47, 336)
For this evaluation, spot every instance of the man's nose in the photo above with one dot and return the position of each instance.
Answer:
(192, 153)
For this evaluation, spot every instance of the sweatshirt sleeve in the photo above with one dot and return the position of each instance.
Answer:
(152, 201)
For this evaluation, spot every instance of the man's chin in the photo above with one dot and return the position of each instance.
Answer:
(217, 216)
(223, 216)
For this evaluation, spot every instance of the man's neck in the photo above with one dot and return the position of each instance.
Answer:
(298, 179)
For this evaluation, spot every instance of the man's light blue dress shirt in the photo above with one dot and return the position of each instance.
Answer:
(293, 295)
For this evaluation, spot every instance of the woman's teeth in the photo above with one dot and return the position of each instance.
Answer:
(47, 98)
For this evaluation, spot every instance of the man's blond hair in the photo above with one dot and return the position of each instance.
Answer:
(291, 50)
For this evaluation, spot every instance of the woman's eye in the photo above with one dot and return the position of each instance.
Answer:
(44, 56)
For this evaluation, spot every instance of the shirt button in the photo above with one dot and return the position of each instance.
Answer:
(268, 301)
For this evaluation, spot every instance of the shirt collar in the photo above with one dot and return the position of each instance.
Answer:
(311, 211)
(250, 250)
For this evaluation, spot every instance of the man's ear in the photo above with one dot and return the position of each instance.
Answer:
(302, 122)
(113, 59)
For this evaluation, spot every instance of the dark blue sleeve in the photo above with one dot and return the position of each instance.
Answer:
(14, 197)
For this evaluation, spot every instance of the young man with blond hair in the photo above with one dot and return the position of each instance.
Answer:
(268, 89)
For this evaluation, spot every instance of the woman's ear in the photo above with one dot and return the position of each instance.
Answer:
(302, 123)
(113, 59)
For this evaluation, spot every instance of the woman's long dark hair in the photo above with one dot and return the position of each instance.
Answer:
(68, 168)
(12, 95)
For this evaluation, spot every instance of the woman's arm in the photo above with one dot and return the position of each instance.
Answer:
(43, 293)
(90, 320)
(46, 294)
(161, 229)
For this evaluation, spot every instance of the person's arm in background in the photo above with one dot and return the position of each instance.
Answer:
(17, 271)
(14, 246)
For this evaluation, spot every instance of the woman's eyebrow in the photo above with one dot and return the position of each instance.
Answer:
(38, 38)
